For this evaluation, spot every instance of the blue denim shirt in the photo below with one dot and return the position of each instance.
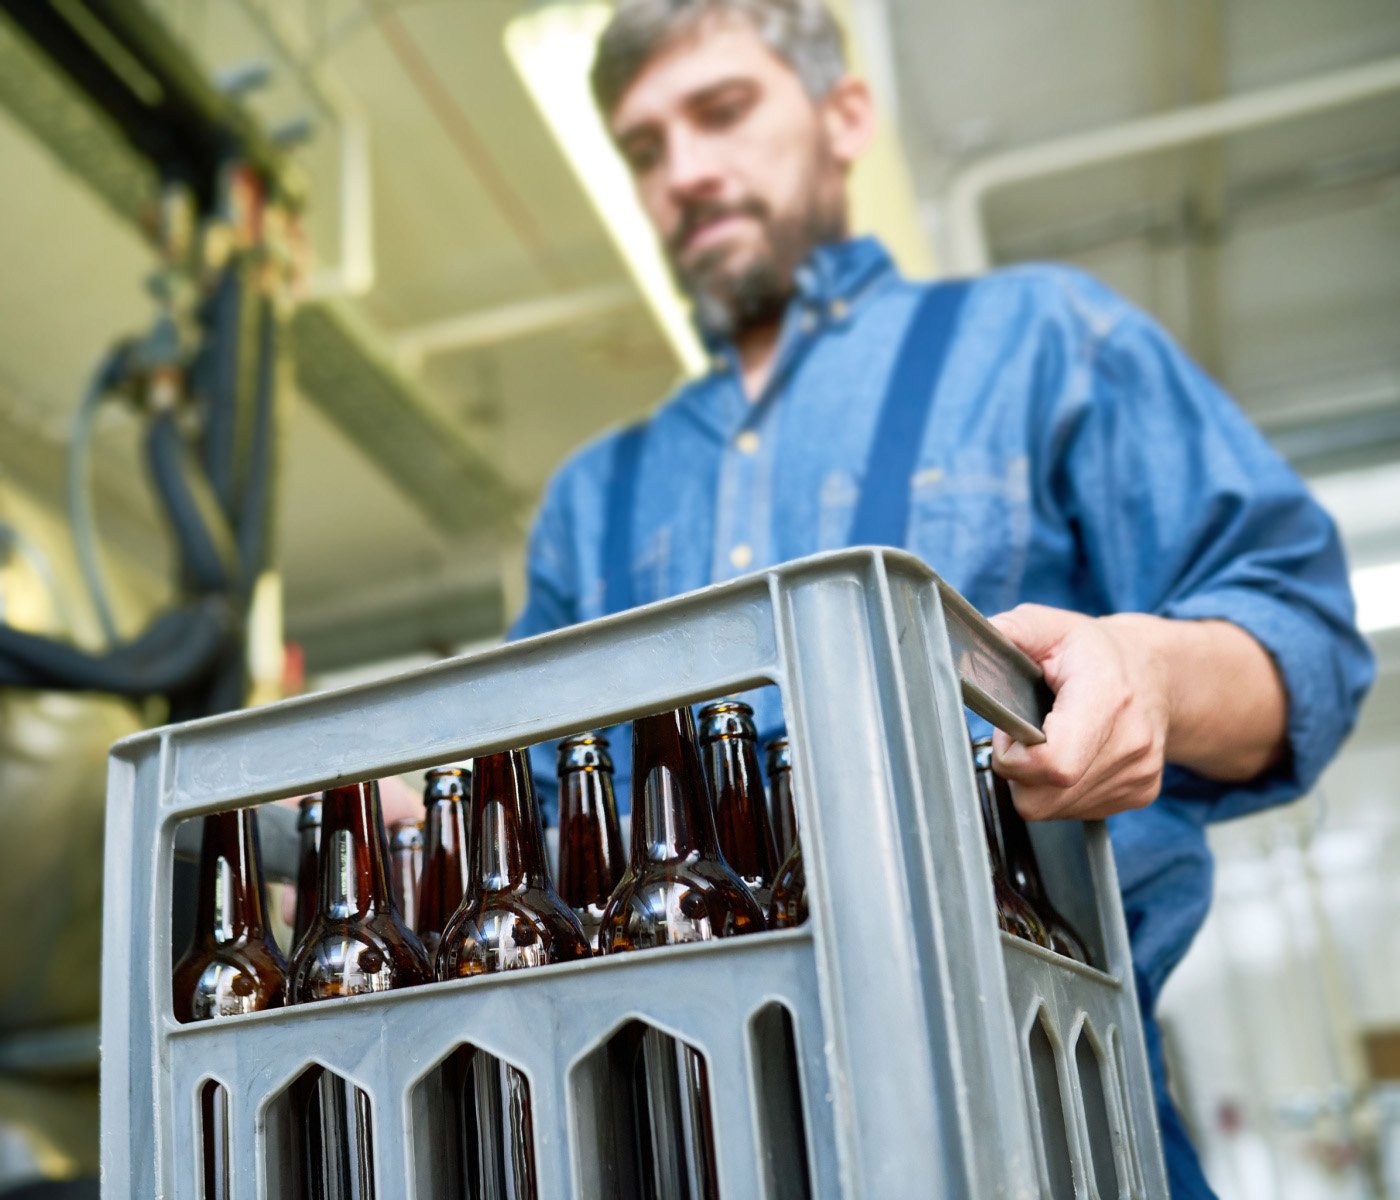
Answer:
(1074, 457)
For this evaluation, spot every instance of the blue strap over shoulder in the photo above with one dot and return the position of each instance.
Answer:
(882, 512)
(618, 517)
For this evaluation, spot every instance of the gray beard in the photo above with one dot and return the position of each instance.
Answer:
(726, 306)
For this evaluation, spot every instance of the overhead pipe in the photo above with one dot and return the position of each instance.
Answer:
(967, 244)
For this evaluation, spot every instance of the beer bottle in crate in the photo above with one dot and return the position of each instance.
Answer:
(308, 867)
(510, 918)
(677, 888)
(357, 943)
(1022, 870)
(1014, 915)
(232, 965)
(591, 860)
(440, 889)
(782, 813)
(406, 866)
(729, 746)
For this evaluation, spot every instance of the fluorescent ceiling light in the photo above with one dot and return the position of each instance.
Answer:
(552, 49)
(1377, 591)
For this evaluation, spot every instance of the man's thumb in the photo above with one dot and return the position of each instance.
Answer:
(1036, 629)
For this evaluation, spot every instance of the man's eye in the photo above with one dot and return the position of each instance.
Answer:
(723, 113)
(641, 158)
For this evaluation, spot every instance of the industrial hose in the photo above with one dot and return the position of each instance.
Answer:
(79, 493)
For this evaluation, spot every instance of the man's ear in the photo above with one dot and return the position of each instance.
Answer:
(848, 116)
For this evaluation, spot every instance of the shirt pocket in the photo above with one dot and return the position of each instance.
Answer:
(652, 568)
(836, 505)
(971, 524)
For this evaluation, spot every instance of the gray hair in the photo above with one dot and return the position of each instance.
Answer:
(803, 33)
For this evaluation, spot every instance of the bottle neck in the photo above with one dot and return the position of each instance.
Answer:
(354, 853)
(1018, 855)
(671, 815)
(444, 863)
(505, 825)
(590, 844)
(230, 879)
(731, 764)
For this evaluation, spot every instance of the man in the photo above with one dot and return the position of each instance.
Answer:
(1186, 599)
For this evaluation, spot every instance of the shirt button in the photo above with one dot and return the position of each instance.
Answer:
(747, 442)
(741, 555)
(838, 310)
(808, 322)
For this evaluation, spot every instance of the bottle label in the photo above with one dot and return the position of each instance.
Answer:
(223, 901)
(342, 902)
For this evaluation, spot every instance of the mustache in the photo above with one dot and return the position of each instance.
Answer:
(695, 217)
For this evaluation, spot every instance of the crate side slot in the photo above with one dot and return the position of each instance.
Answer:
(780, 1105)
(1103, 1118)
(1048, 1108)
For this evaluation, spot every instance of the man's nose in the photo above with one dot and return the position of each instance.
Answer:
(692, 166)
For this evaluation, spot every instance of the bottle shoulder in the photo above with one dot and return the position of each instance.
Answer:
(502, 931)
(229, 979)
(378, 953)
(678, 902)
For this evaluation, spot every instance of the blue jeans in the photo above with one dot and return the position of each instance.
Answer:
(1185, 1179)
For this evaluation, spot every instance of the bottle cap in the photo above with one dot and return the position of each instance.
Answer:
(446, 783)
(779, 755)
(310, 815)
(583, 752)
(982, 753)
(726, 718)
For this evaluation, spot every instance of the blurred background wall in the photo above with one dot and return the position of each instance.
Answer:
(469, 317)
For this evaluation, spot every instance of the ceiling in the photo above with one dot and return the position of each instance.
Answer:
(1275, 254)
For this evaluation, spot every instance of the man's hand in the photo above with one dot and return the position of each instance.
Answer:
(1133, 692)
(1106, 736)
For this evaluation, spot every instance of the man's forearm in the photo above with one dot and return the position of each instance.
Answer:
(1227, 706)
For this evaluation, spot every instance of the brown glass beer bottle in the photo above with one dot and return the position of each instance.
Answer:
(789, 904)
(406, 867)
(677, 887)
(591, 860)
(510, 917)
(357, 943)
(782, 812)
(729, 747)
(232, 965)
(1014, 915)
(445, 795)
(308, 867)
(1022, 870)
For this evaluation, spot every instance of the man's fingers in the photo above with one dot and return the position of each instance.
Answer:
(1075, 734)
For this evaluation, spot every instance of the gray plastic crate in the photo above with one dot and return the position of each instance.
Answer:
(936, 1056)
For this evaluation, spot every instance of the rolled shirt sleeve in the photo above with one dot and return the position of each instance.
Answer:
(1187, 512)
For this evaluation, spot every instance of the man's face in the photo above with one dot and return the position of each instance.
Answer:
(735, 165)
